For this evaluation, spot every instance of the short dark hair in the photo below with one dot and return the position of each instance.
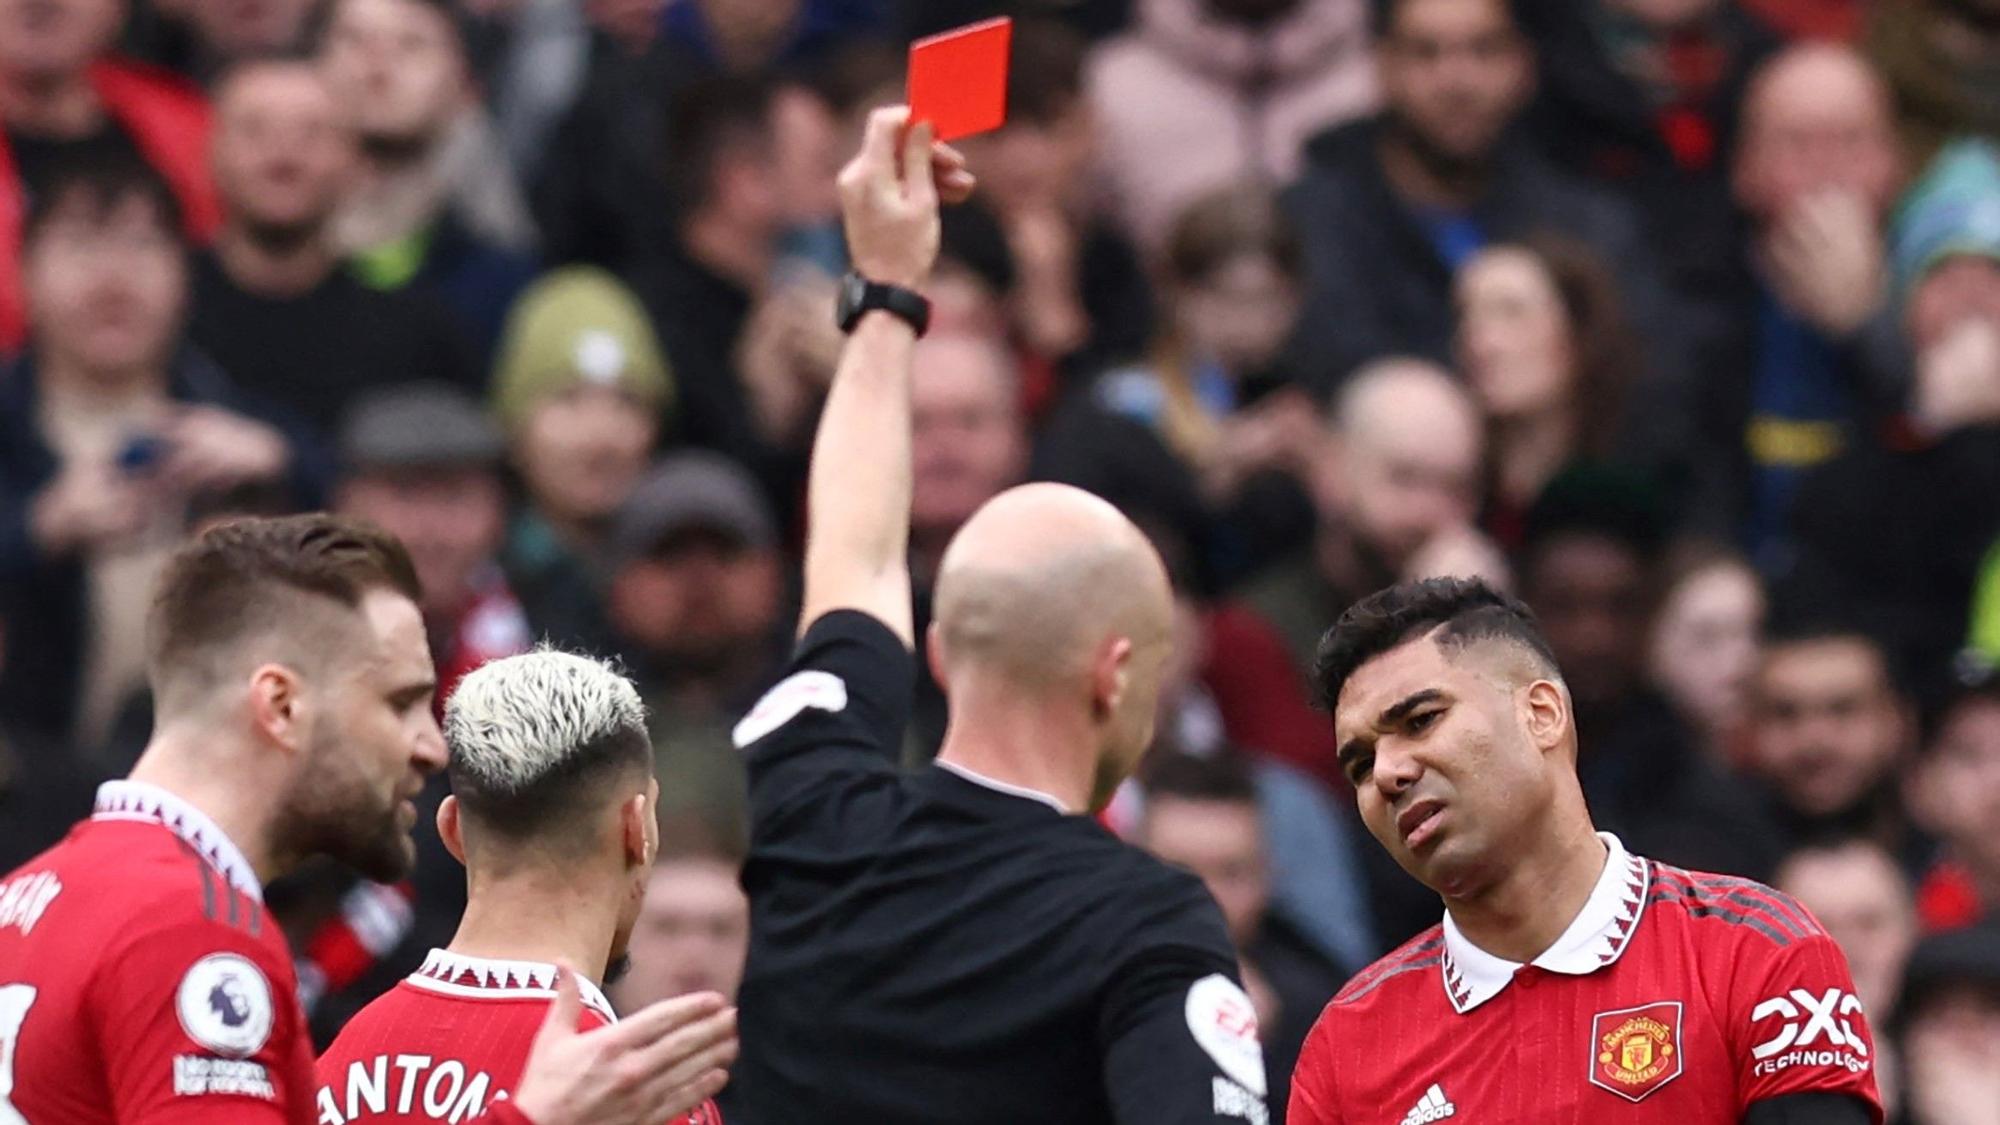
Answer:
(1967, 679)
(1461, 611)
(1233, 220)
(99, 183)
(1386, 12)
(1223, 777)
(246, 576)
(704, 119)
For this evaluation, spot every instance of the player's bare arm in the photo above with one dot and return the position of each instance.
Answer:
(858, 491)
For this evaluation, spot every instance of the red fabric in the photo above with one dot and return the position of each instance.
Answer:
(472, 1040)
(1947, 899)
(146, 989)
(1263, 698)
(1754, 998)
(168, 118)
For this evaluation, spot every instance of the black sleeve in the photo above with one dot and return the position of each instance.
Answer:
(1179, 1035)
(840, 708)
(1816, 1108)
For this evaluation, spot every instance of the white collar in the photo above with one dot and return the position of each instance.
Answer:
(999, 786)
(139, 800)
(460, 974)
(1595, 938)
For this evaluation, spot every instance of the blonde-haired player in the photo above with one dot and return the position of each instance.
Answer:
(552, 812)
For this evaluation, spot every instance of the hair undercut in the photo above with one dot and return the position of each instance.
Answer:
(536, 739)
(258, 577)
(1454, 612)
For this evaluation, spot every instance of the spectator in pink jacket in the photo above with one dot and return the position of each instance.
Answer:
(1200, 92)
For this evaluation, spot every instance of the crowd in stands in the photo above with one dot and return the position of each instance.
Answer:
(1679, 319)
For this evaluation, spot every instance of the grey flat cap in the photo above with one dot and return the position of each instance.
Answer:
(692, 489)
(418, 426)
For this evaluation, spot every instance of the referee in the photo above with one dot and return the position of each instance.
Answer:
(965, 944)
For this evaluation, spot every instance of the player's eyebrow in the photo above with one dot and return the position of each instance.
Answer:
(1390, 716)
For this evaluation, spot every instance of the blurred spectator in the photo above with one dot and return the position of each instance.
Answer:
(62, 96)
(1213, 387)
(1912, 575)
(1397, 474)
(45, 788)
(273, 304)
(205, 38)
(114, 432)
(692, 934)
(752, 351)
(969, 442)
(1201, 813)
(1813, 360)
(1703, 651)
(597, 194)
(1543, 342)
(1863, 899)
(422, 461)
(1079, 298)
(580, 388)
(1830, 727)
(697, 609)
(1200, 93)
(1947, 1029)
(1643, 97)
(1954, 793)
(1589, 569)
(1940, 58)
(1391, 206)
(435, 207)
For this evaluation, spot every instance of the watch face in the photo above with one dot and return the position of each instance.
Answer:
(853, 287)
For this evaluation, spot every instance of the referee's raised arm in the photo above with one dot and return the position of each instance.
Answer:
(858, 493)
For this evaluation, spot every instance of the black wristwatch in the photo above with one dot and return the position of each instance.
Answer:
(859, 296)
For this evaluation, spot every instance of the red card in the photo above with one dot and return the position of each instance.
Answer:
(958, 80)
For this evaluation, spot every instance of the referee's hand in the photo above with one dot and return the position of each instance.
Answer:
(889, 195)
(659, 1063)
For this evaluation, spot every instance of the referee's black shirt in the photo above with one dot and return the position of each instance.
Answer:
(933, 949)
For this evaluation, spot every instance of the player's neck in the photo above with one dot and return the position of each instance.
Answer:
(237, 799)
(539, 917)
(998, 734)
(1522, 914)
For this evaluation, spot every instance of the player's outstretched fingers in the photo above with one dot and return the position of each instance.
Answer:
(693, 1080)
(690, 1049)
(954, 181)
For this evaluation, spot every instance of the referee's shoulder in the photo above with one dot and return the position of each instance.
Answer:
(1384, 977)
(1742, 908)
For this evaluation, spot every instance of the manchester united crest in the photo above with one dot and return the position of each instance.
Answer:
(1635, 1051)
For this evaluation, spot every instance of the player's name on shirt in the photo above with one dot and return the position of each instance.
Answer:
(439, 1088)
(25, 898)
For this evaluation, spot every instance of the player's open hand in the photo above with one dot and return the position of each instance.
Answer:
(889, 197)
(659, 1063)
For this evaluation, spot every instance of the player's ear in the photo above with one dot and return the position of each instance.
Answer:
(1545, 711)
(449, 829)
(277, 706)
(636, 825)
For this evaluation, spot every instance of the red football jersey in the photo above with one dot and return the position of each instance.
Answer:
(141, 979)
(448, 1041)
(1674, 997)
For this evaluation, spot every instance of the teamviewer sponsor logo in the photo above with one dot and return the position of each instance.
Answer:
(1431, 1107)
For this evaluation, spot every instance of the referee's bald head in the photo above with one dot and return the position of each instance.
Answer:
(1050, 594)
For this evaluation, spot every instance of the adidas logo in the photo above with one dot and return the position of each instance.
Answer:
(1431, 1107)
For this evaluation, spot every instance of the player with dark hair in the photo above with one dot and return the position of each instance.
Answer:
(1571, 981)
(553, 814)
(141, 977)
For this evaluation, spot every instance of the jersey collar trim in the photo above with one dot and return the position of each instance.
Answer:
(142, 801)
(999, 786)
(460, 974)
(1597, 936)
